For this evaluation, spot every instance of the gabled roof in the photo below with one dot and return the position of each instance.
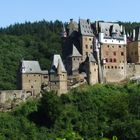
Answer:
(85, 27)
(30, 67)
(57, 63)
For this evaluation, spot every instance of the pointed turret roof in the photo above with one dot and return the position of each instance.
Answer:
(59, 68)
(91, 58)
(75, 52)
(64, 33)
(57, 64)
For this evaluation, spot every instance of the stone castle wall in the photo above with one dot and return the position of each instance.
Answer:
(11, 98)
(133, 70)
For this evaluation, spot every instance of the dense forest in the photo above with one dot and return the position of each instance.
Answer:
(98, 112)
(28, 41)
(31, 41)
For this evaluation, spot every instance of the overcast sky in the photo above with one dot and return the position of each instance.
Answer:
(13, 11)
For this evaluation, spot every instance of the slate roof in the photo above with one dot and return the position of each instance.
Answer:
(85, 27)
(91, 58)
(57, 61)
(30, 67)
(109, 28)
(75, 51)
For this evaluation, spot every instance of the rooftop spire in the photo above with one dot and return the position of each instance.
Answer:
(64, 33)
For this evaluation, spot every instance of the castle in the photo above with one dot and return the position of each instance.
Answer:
(91, 53)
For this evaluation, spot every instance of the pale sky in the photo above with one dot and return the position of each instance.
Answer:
(19, 11)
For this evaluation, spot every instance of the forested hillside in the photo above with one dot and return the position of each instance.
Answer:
(31, 41)
(89, 113)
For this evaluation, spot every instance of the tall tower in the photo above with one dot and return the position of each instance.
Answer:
(73, 61)
(92, 70)
(112, 51)
(58, 76)
(86, 37)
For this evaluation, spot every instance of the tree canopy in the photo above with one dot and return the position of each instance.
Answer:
(89, 113)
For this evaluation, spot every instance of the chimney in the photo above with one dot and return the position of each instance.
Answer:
(88, 20)
(71, 20)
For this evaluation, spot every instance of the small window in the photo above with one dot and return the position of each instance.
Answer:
(114, 53)
(86, 46)
(110, 59)
(106, 60)
(87, 53)
(114, 59)
(115, 67)
(108, 67)
(91, 47)
(119, 46)
(108, 46)
(89, 39)
(112, 67)
(122, 67)
(45, 77)
(112, 46)
(94, 69)
(122, 53)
